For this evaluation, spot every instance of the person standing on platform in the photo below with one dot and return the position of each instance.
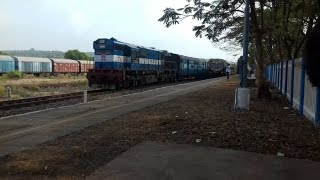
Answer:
(228, 71)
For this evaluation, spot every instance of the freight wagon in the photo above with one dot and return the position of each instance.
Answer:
(33, 65)
(6, 64)
(85, 65)
(65, 66)
(36, 65)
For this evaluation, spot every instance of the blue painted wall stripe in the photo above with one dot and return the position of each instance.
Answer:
(275, 75)
(286, 80)
(302, 82)
(317, 110)
(272, 73)
(281, 76)
(292, 83)
(269, 72)
(276, 79)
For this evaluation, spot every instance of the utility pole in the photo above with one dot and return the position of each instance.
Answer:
(245, 45)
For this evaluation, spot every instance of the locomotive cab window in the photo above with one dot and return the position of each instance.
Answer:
(134, 54)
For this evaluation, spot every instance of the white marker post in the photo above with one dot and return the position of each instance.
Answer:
(85, 96)
(9, 93)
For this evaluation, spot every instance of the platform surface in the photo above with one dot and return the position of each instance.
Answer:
(158, 161)
(24, 131)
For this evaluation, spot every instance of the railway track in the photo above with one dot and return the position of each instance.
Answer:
(25, 105)
(18, 103)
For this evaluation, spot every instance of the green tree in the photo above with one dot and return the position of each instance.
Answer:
(277, 27)
(76, 55)
(36, 53)
(3, 53)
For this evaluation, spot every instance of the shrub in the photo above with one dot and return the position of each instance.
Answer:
(3, 92)
(14, 75)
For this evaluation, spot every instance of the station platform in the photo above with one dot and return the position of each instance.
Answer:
(158, 161)
(24, 131)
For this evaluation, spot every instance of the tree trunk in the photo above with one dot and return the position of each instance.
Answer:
(263, 89)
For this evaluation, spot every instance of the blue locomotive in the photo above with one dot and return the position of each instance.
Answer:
(118, 64)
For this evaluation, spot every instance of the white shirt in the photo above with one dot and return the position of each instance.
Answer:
(228, 69)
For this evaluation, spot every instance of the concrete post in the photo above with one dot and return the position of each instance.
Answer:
(85, 96)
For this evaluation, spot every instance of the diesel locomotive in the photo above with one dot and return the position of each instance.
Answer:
(119, 65)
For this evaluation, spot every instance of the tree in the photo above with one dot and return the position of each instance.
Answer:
(277, 27)
(312, 55)
(3, 53)
(76, 55)
(36, 53)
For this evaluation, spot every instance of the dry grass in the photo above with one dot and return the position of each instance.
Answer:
(2, 92)
(62, 79)
(32, 86)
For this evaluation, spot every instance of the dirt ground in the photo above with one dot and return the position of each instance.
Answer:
(207, 115)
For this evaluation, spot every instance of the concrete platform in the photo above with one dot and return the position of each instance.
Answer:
(24, 131)
(151, 160)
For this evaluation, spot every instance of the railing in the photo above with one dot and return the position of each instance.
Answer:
(292, 81)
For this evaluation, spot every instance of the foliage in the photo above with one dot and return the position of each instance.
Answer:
(283, 24)
(35, 53)
(3, 53)
(90, 54)
(14, 75)
(219, 19)
(278, 28)
(38, 53)
(76, 55)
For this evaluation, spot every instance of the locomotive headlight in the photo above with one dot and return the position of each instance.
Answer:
(102, 46)
(102, 41)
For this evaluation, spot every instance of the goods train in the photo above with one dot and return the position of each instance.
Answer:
(36, 65)
(118, 64)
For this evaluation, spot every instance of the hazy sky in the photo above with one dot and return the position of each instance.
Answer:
(75, 24)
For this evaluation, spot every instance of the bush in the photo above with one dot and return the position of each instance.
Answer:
(14, 75)
(3, 92)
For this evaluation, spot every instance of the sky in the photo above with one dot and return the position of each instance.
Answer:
(75, 24)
